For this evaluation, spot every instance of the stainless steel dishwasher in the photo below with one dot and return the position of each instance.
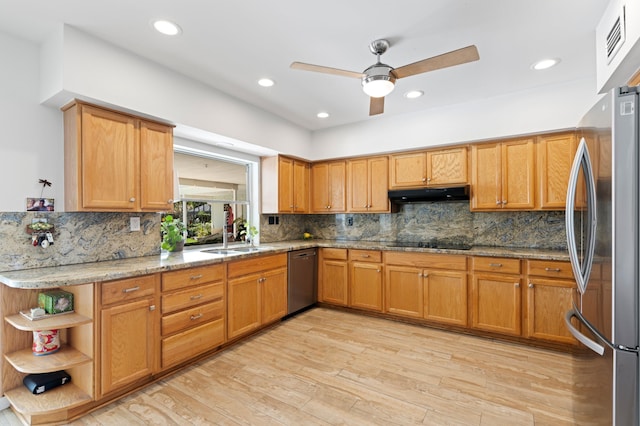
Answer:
(302, 280)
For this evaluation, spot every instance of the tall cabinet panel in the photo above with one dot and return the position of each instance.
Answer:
(285, 185)
(328, 180)
(367, 185)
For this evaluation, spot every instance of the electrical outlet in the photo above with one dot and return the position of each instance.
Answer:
(134, 223)
(350, 221)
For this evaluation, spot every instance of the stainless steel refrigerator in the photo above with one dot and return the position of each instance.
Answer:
(602, 223)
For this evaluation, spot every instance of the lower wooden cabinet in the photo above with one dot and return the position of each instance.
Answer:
(427, 286)
(365, 279)
(257, 293)
(333, 276)
(496, 292)
(193, 313)
(128, 332)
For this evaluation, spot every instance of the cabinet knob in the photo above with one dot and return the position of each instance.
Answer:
(378, 270)
(152, 308)
(516, 285)
(132, 199)
(425, 275)
(424, 179)
(169, 201)
(530, 285)
(429, 179)
(497, 202)
(504, 201)
(329, 207)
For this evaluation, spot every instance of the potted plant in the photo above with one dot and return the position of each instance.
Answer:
(249, 232)
(172, 233)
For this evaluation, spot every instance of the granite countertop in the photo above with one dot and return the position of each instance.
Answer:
(59, 276)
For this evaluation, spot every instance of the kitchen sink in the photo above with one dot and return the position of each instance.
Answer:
(246, 249)
(220, 251)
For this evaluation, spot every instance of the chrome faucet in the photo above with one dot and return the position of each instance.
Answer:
(225, 237)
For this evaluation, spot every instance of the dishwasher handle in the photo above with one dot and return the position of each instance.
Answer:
(304, 255)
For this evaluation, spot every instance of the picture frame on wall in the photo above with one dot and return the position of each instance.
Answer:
(40, 204)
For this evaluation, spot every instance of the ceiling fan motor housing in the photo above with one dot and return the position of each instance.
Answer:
(378, 80)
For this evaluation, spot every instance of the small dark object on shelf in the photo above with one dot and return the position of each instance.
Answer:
(39, 383)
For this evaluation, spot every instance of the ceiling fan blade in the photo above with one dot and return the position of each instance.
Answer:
(455, 57)
(326, 70)
(376, 106)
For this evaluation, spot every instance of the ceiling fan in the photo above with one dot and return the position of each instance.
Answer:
(379, 79)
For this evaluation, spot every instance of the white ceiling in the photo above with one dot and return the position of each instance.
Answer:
(230, 45)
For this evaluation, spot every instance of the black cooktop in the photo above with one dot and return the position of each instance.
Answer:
(451, 245)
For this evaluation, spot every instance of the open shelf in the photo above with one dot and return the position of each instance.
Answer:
(54, 322)
(55, 400)
(25, 361)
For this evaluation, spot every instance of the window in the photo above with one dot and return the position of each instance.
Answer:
(215, 195)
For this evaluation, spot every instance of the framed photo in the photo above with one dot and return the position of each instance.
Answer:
(40, 204)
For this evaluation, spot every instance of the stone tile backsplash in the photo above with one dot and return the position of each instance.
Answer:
(428, 222)
(78, 238)
(92, 237)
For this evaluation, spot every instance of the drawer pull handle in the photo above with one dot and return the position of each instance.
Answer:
(365, 256)
(496, 265)
(196, 297)
(552, 269)
(131, 289)
(196, 277)
(196, 317)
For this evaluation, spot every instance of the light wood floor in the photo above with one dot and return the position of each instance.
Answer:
(330, 367)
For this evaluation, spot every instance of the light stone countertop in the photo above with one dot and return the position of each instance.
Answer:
(60, 276)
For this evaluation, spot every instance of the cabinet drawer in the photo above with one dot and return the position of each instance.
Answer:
(502, 265)
(192, 317)
(426, 260)
(365, 255)
(191, 297)
(186, 345)
(192, 276)
(130, 288)
(334, 253)
(258, 264)
(549, 269)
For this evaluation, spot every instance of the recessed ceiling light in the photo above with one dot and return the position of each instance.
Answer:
(166, 27)
(322, 115)
(545, 63)
(412, 94)
(266, 82)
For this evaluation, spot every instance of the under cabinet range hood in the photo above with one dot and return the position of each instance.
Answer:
(422, 195)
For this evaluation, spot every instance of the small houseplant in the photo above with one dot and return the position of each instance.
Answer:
(172, 233)
(249, 232)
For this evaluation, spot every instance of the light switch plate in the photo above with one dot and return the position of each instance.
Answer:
(134, 223)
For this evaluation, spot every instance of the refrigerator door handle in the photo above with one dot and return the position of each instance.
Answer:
(582, 161)
(594, 346)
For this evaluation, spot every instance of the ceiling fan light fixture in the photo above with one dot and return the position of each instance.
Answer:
(378, 81)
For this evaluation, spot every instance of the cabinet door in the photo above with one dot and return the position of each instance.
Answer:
(320, 188)
(243, 313)
(156, 167)
(518, 175)
(486, 185)
(300, 187)
(547, 302)
(128, 339)
(379, 185)
(109, 160)
(285, 185)
(445, 297)
(404, 291)
(408, 170)
(555, 158)
(496, 303)
(447, 166)
(337, 186)
(334, 275)
(273, 295)
(365, 286)
(358, 177)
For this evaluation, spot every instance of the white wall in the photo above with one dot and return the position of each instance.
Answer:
(544, 109)
(31, 145)
(97, 71)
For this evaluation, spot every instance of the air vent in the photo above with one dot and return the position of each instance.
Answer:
(616, 36)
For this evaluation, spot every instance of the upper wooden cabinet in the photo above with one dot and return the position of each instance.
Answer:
(116, 162)
(555, 157)
(285, 185)
(328, 180)
(503, 175)
(430, 168)
(367, 185)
